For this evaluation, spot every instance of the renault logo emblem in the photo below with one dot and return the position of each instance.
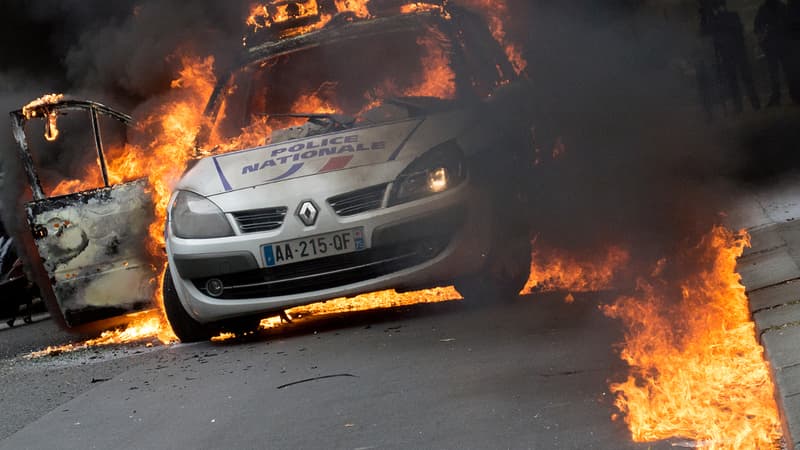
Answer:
(307, 212)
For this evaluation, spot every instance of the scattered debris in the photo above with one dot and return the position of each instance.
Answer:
(321, 377)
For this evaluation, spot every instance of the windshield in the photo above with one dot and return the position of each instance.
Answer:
(345, 77)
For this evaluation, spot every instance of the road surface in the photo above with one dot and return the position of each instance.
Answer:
(528, 374)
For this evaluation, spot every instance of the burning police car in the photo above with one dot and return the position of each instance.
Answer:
(395, 164)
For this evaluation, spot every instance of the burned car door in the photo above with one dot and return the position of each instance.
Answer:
(86, 249)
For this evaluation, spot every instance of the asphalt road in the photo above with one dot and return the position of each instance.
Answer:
(529, 374)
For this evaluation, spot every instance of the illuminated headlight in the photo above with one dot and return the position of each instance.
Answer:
(195, 217)
(438, 170)
(437, 180)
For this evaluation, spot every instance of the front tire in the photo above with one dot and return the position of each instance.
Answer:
(183, 325)
(504, 274)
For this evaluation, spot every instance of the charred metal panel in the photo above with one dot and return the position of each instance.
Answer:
(92, 246)
(86, 250)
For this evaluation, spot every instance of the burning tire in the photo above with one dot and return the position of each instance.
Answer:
(505, 273)
(183, 325)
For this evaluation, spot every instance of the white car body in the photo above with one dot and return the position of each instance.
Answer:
(423, 188)
(374, 156)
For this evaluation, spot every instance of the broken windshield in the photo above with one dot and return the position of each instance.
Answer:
(346, 77)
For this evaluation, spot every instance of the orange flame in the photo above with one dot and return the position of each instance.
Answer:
(69, 186)
(258, 16)
(553, 270)
(314, 103)
(696, 370)
(358, 7)
(373, 300)
(415, 7)
(145, 326)
(284, 12)
(438, 78)
(29, 110)
(253, 135)
(495, 12)
(50, 125)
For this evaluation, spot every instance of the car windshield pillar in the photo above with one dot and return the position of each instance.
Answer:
(49, 112)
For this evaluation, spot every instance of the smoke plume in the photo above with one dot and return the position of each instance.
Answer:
(122, 53)
(613, 88)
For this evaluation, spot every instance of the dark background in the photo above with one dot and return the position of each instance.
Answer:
(612, 82)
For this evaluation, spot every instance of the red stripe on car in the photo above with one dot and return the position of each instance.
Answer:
(336, 163)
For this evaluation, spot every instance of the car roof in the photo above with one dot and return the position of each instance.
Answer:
(343, 30)
(335, 31)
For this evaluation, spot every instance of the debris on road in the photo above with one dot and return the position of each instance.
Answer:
(321, 377)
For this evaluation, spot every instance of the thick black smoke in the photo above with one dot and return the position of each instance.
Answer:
(612, 83)
(124, 49)
(615, 83)
(122, 53)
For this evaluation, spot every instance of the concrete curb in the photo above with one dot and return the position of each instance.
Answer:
(38, 317)
(771, 273)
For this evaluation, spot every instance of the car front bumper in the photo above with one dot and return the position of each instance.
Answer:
(419, 244)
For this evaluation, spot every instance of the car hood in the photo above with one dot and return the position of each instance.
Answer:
(344, 150)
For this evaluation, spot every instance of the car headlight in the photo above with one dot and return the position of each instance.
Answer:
(438, 170)
(195, 217)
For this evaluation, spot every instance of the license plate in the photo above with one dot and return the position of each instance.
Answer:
(313, 247)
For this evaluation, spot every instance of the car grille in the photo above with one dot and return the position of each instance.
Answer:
(329, 272)
(257, 220)
(359, 201)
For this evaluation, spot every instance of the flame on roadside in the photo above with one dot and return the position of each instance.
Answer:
(364, 302)
(559, 270)
(377, 300)
(696, 369)
(149, 327)
(550, 271)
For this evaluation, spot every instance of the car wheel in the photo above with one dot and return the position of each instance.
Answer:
(505, 273)
(183, 325)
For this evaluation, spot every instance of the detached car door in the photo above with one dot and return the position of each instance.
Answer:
(87, 250)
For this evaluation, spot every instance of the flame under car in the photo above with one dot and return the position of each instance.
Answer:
(405, 174)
